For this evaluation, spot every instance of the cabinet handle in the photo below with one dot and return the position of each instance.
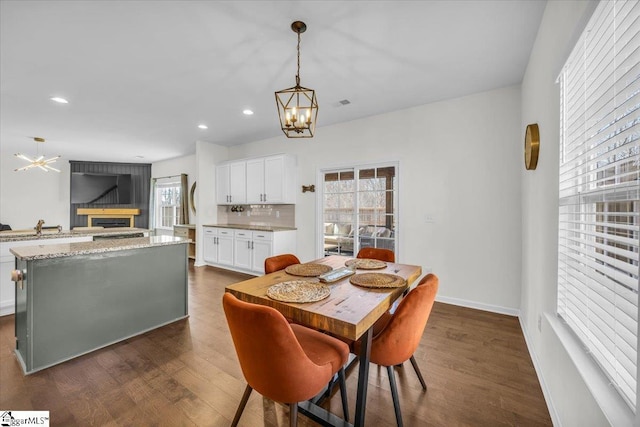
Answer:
(265, 197)
(251, 245)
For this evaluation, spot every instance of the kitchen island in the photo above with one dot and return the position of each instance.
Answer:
(73, 298)
(49, 236)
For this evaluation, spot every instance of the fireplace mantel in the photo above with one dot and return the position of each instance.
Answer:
(92, 213)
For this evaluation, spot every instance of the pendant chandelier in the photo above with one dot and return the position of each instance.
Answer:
(297, 106)
(39, 161)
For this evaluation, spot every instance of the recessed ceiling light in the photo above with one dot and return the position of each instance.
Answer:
(59, 100)
(139, 157)
(203, 126)
(247, 112)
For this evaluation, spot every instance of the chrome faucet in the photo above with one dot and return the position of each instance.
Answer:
(39, 227)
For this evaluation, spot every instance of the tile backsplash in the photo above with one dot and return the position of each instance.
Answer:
(262, 215)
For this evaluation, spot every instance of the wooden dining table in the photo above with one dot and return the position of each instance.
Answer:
(350, 312)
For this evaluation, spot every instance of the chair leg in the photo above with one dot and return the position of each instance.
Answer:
(243, 403)
(394, 395)
(343, 393)
(418, 373)
(293, 414)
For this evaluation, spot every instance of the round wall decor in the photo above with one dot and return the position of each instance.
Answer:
(531, 146)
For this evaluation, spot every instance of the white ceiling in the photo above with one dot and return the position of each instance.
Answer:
(141, 75)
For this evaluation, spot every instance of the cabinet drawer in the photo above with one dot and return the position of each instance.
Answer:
(208, 231)
(180, 232)
(266, 236)
(243, 233)
(223, 232)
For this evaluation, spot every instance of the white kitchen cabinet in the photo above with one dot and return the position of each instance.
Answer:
(218, 246)
(243, 249)
(231, 183)
(271, 179)
(261, 248)
(210, 245)
(225, 246)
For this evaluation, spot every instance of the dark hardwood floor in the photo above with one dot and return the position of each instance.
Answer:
(475, 363)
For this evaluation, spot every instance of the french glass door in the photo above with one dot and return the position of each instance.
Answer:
(359, 208)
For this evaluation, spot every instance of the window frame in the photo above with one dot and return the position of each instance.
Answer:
(588, 192)
(162, 183)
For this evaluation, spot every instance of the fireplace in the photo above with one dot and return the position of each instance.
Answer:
(110, 222)
(110, 217)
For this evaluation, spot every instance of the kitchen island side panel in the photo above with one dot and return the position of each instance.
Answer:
(85, 302)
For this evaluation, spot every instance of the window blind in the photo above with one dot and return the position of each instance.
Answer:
(599, 186)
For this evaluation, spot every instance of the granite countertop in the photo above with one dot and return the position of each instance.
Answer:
(29, 253)
(252, 227)
(20, 235)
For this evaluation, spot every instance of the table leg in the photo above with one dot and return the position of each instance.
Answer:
(363, 377)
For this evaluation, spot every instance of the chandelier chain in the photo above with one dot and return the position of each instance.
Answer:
(298, 72)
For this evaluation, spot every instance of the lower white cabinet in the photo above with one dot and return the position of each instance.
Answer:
(218, 246)
(243, 249)
(262, 247)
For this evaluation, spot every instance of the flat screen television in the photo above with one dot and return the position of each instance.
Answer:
(100, 188)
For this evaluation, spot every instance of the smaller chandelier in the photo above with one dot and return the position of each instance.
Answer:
(297, 106)
(39, 161)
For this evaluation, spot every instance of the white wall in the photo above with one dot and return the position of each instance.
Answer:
(27, 196)
(570, 398)
(207, 156)
(460, 162)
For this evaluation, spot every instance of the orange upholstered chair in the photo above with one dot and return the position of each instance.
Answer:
(395, 342)
(279, 262)
(377, 253)
(283, 362)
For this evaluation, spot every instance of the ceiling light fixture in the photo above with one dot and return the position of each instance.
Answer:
(203, 126)
(59, 100)
(297, 106)
(39, 161)
(247, 112)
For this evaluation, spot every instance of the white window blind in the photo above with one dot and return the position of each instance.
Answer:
(599, 191)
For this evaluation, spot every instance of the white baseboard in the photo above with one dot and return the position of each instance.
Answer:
(6, 308)
(555, 419)
(479, 306)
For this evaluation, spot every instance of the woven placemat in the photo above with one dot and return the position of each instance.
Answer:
(307, 270)
(377, 280)
(298, 291)
(366, 264)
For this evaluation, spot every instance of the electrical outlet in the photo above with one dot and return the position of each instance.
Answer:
(539, 323)
(277, 214)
